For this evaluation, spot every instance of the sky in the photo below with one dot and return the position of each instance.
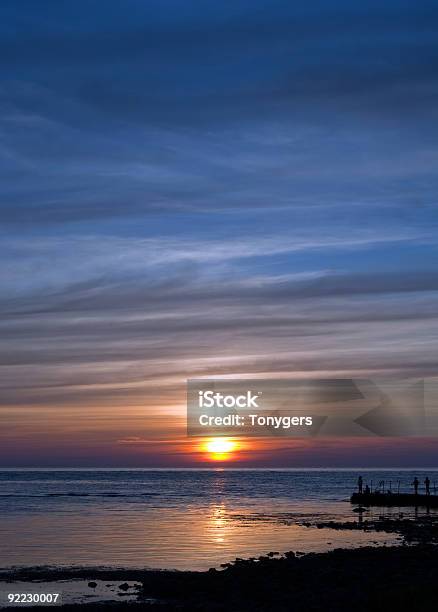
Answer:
(197, 188)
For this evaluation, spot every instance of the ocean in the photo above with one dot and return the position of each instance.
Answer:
(182, 519)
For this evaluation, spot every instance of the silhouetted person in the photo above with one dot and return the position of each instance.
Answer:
(416, 483)
(360, 484)
(367, 490)
(427, 483)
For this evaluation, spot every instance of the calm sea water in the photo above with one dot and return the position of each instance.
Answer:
(175, 519)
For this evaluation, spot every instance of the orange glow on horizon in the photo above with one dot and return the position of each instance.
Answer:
(220, 449)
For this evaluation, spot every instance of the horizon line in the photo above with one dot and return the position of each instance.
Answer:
(217, 469)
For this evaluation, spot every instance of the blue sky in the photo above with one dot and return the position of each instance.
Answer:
(193, 188)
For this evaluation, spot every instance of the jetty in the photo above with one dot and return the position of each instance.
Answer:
(377, 498)
(384, 495)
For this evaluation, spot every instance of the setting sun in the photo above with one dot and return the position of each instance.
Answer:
(220, 449)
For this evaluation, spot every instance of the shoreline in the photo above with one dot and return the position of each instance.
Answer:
(363, 579)
(378, 578)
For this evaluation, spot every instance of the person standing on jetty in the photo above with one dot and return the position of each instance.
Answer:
(416, 483)
(360, 485)
(427, 484)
